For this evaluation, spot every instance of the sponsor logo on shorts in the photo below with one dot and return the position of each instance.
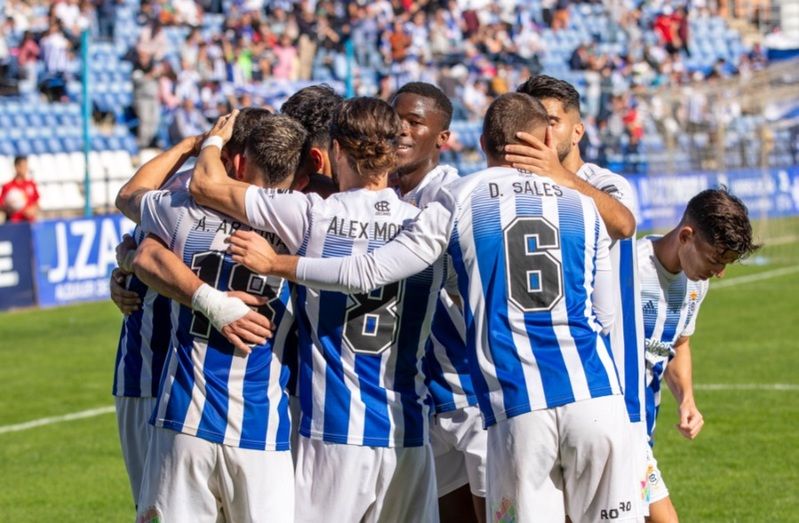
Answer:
(151, 515)
(505, 512)
(651, 475)
(625, 507)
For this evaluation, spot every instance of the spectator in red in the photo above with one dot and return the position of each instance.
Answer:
(19, 198)
(665, 28)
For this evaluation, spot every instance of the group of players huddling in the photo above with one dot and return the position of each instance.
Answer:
(324, 324)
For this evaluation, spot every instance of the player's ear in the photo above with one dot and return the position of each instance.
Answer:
(317, 159)
(240, 162)
(443, 137)
(685, 234)
(578, 133)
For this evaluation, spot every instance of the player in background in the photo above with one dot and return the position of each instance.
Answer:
(559, 155)
(364, 453)
(534, 274)
(314, 107)
(220, 446)
(456, 431)
(714, 232)
(145, 334)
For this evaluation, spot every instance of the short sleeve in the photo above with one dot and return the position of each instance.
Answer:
(690, 327)
(159, 215)
(617, 187)
(285, 213)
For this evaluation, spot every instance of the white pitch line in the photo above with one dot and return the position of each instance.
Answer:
(56, 419)
(754, 277)
(747, 386)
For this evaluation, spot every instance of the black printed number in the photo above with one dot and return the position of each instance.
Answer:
(208, 267)
(371, 320)
(535, 276)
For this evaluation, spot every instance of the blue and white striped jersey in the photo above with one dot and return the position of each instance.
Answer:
(533, 273)
(143, 341)
(627, 334)
(145, 335)
(446, 364)
(670, 305)
(360, 379)
(208, 389)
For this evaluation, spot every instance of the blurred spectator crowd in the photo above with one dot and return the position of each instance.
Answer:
(166, 68)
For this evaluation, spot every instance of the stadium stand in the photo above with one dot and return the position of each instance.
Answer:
(642, 70)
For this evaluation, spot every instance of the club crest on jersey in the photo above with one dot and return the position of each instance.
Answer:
(383, 208)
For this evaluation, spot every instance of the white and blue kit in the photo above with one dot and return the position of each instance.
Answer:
(144, 342)
(670, 304)
(534, 275)
(360, 374)
(448, 374)
(627, 333)
(235, 406)
(456, 431)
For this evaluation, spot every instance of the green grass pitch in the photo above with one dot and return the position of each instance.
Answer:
(743, 466)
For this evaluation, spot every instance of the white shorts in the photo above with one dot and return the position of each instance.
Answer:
(639, 435)
(459, 447)
(133, 415)
(657, 487)
(187, 478)
(572, 460)
(338, 482)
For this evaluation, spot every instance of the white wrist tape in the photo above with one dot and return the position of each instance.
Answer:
(217, 306)
(213, 141)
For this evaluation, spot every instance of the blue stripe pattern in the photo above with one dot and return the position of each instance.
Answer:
(572, 230)
(417, 292)
(632, 350)
(129, 348)
(444, 331)
(478, 380)
(490, 254)
(540, 331)
(216, 370)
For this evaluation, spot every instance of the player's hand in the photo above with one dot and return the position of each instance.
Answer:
(252, 250)
(126, 301)
(251, 329)
(126, 251)
(691, 420)
(224, 126)
(249, 299)
(538, 157)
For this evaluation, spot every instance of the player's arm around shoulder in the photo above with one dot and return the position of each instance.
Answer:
(542, 157)
(615, 200)
(210, 184)
(152, 175)
(161, 269)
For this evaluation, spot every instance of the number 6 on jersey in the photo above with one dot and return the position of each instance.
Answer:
(535, 276)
